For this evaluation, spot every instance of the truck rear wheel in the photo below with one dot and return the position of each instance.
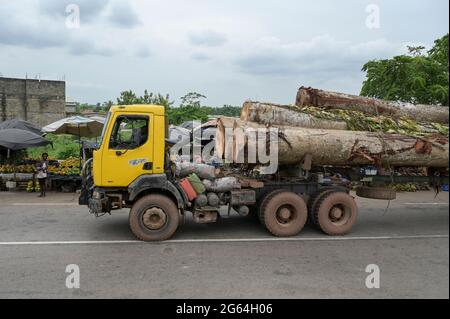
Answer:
(154, 218)
(336, 213)
(284, 214)
(316, 198)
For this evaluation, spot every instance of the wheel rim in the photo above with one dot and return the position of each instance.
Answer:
(339, 214)
(285, 214)
(154, 218)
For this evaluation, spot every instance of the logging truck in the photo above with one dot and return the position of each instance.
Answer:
(131, 168)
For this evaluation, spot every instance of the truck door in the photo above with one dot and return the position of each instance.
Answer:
(129, 152)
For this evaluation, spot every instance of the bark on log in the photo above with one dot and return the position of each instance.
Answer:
(183, 169)
(275, 114)
(371, 106)
(225, 144)
(342, 148)
(222, 185)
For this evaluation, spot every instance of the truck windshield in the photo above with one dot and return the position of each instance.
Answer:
(108, 116)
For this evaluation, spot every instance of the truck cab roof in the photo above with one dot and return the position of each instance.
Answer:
(139, 108)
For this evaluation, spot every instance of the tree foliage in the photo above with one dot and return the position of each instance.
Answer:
(418, 77)
(64, 146)
(190, 108)
(130, 98)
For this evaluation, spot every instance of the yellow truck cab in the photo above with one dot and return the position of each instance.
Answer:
(128, 170)
(133, 143)
(131, 168)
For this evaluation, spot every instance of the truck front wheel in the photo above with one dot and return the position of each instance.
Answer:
(284, 214)
(154, 218)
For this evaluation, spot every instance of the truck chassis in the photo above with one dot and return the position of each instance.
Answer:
(158, 203)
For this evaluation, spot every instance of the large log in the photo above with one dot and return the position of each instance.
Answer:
(337, 147)
(372, 106)
(275, 114)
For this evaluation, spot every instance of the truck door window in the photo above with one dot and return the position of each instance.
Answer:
(129, 132)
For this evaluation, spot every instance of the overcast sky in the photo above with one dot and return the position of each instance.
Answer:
(228, 50)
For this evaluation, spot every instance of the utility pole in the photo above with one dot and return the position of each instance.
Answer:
(25, 100)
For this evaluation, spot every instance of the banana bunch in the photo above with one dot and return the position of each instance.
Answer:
(17, 168)
(70, 162)
(63, 170)
(7, 168)
(33, 187)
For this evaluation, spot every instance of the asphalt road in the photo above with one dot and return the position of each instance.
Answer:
(235, 258)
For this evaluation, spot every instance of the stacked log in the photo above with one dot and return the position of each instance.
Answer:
(335, 119)
(371, 106)
(275, 114)
(339, 147)
(330, 141)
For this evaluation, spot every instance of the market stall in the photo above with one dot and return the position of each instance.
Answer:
(18, 172)
(63, 175)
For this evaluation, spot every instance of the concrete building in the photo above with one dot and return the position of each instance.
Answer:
(40, 102)
(71, 106)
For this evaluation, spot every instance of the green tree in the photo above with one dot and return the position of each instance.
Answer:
(129, 98)
(189, 110)
(417, 77)
(192, 99)
(226, 110)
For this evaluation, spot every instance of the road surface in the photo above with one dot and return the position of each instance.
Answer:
(235, 258)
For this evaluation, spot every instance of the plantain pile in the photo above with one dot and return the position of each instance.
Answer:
(69, 166)
(33, 187)
(8, 168)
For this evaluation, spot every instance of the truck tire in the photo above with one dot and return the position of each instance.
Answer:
(336, 213)
(316, 197)
(382, 193)
(154, 218)
(263, 202)
(284, 214)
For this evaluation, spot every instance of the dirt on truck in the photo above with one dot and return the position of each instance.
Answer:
(132, 167)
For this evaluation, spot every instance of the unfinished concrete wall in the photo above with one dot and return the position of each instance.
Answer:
(38, 101)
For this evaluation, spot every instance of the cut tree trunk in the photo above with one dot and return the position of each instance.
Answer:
(183, 169)
(371, 106)
(275, 114)
(334, 147)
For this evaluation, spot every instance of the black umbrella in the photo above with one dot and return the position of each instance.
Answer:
(16, 139)
(21, 125)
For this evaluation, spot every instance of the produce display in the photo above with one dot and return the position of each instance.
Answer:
(8, 168)
(70, 166)
(33, 187)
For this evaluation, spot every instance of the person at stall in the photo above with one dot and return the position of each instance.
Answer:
(42, 170)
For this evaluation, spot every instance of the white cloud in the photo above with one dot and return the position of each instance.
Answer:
(44, 26)
(254, 49)
(143, 52)
(89, 9)
(122, 14)
(200, 56)
(207, 38)
(322, 54)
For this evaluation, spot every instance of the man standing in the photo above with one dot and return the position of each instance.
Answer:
(42, 170)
